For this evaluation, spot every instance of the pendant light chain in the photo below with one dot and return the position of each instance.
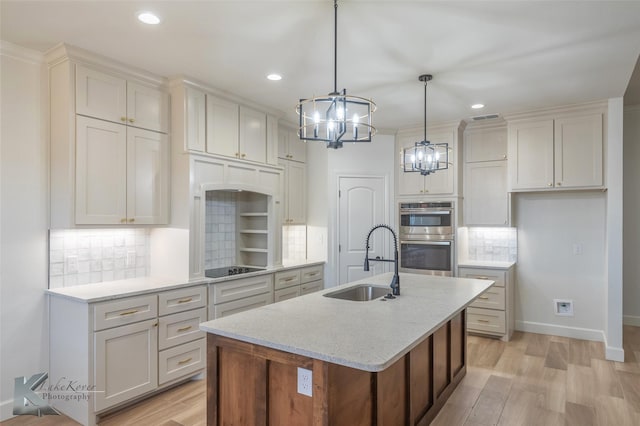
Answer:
(425, 110)
(335, 46)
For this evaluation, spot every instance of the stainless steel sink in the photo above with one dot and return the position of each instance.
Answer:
(359, 293)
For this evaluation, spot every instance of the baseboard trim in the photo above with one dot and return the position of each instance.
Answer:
(631, 320)
(613, 353)
(560, 330)
(6, 410)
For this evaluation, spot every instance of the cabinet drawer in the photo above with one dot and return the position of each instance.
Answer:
(484, 274)
(229, 308)
(181, 361)
(180, 328)
(312, 273)
(311, 287)
(286, 279)
(486, 320)
(286, 293)
(182, 300)
(493, 298)
(237, 289)
(124, 311)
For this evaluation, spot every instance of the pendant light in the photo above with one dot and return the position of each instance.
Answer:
(426, 157)
(337, 117)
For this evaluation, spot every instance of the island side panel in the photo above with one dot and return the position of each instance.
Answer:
(420, 380)
(350, 401)
(391, 394)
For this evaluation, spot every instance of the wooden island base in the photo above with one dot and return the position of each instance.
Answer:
(249, 384)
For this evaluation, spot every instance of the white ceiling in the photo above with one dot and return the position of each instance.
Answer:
(510, 55)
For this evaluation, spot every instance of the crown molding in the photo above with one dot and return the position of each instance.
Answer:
(15, 51)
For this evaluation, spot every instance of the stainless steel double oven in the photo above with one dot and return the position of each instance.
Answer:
(427, 238)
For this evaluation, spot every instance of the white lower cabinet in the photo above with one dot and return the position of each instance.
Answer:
(126, 363)
(238, 295)
(492, 313)
(123, 349)
(298, 282)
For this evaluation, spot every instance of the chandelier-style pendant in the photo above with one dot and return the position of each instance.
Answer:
(425, 157)
(337, 117)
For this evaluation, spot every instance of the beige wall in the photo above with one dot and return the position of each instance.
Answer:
(24, 334)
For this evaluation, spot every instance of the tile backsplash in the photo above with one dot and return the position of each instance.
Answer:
(83, 256)
(220, 229)
(294, 242)
(488, 244)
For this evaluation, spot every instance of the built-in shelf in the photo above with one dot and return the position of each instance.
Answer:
(254, 250)
(260, 214)
(253, 231)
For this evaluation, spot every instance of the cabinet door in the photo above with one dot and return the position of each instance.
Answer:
(531, 154)
(147, 177)
(283, 143)
(222, 127)
(440, 182)
(195, 130)
(253, 135)
(125, 362)
(101, 172)
(408, 183)
(486, 198)
(101, 95)
(485, 144)
(297, 147)
(297, 192)
(578, 151)
(147, 107)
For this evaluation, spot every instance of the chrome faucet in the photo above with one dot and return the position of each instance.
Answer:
(395, 281)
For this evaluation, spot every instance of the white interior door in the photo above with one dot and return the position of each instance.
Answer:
(362, 205)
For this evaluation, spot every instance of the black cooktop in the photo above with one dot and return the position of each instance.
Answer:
(229, 270)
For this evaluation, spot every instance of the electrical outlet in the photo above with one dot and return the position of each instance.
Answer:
(577, 249)
(131, 258)
(71, 265)
(305, 381)
(563, 307)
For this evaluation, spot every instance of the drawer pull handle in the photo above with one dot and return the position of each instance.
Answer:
(313, 274)
(483, 278)
(128, 312)
(481, 320)
(184, 361)
(483, 297)
(188, 299)
(289, 279)
(181, 329)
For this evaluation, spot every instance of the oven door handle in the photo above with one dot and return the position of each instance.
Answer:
(440, 212)
(428, 243)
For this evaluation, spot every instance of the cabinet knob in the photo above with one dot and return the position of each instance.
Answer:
(123, 119)
(550, 184)
(131, 220)
(504, 157)
(559, 184)
(237, 154)
(123, 220)
(131, 120)
(243, 155)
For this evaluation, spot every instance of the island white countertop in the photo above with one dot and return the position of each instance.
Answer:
(368, 336)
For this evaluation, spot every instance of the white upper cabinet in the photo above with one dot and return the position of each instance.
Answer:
(222, 126)
(290, 147)
(485, 145)
(295, 192)
(565, 152)
(195, 129)
(486, 199)
(109, 97)
(252, 143)
(578, 151)
(122, 175)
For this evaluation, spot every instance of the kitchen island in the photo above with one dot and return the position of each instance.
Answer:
(379, 362)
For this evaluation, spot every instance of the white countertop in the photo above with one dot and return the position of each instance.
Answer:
(109, 290)
(368, 336)
(487, 264)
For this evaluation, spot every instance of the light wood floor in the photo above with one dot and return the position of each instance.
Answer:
(532, 380)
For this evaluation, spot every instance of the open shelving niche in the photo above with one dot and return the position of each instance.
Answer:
(252, 229)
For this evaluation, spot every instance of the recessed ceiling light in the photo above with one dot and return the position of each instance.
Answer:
(477, 106)
(274, 77)
(148, 18)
